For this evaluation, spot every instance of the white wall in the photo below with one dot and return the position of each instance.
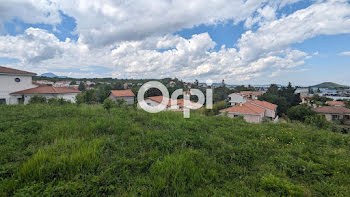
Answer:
(251, 118)
(67, 96)
(236, 98)
(128, 99)
(9, 85)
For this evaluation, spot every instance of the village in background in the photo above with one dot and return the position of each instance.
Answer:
(254, 103)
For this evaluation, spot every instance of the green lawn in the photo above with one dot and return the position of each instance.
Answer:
(48, 150)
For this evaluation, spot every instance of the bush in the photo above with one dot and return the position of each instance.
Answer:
(300, 112)
(108, 104)
(58, 101)
(37, 100)
(318, 121)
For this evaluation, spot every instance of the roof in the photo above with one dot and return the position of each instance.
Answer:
(122, 93)
(47, 90)
(14, 71)
(335, 103)
(245, 108)
(263, 104)
(332, 110)
(257, 93)
(180, 102)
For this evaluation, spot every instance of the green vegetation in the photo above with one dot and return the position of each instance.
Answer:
(330, 85)
(70, 150)
(283, 97)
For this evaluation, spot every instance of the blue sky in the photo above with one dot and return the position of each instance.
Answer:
(238, 45)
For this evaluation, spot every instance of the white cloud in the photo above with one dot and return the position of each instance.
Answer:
(344, 53)
(134, 39)
(328, 18)
(29, 11)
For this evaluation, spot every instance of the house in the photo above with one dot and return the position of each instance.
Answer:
(172, 83)
(62, 84)
(126, 95)
(16, 86)
(270, 109)
(252, 110)
(251, 94)
(47, 92)
(336, 103)
(12, 80)
(333, 113)
(44, 82)
(179, 103)
(304, 92)
(236, 98)
(251, 113)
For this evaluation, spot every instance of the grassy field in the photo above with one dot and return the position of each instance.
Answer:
(48, 150)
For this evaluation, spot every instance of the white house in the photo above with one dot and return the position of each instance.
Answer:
(127, 95)
(236, 98)
(47, 92)
(251, 110)
(17, 87)
(175, 105)
(12, 80)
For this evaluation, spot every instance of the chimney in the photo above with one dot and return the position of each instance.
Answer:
(241, 104)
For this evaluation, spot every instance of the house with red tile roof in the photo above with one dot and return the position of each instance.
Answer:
(173, 105)
(336, 103)
(47, 92)
(16, 86)
(243, 105)
(270, 109)
(12, 80)
(127, 95)
(251, 113)
(334, 113)
(251, 94)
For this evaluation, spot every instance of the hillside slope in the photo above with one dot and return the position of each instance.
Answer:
(85, 151)
(329, 85)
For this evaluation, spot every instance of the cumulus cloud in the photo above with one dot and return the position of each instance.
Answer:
(344, 53)
(134, 39)
(29, 11)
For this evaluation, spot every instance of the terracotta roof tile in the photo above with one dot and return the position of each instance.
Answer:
(180, 102)
(335, 103)
(121, 93)
(332, 110)
(246, 93)
(14, 71)
(46, 90)
(245, 108)
(263, 104)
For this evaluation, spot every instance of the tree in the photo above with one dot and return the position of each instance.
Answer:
(89, 97)
(347, 103)
(81, 87)
(273, 89)
(37, 100)
(108, 104)
(300, 112)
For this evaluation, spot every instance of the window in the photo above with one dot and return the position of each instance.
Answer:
(17, 80)
(2, 101)
(335, 117)
(347, 117)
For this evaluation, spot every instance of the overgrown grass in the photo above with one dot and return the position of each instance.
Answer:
(48, 150)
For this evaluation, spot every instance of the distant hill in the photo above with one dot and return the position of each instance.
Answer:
(329, 85)
(51, 75)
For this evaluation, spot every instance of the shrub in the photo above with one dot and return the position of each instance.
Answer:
(318, 121)
(57, 101)
(36, 99)
(108, 104)
(300, 112)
